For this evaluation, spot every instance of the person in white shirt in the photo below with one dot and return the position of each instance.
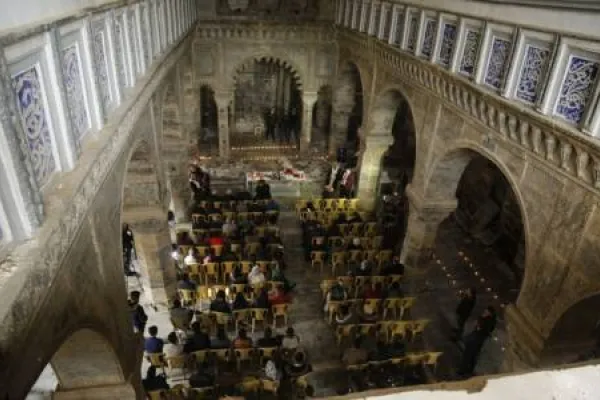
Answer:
(190, 259)
(290, 340)
(172, 348)
(256, 276)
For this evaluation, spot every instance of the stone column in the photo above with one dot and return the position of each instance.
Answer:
(180, 196)
(123, 391)
(372, 148)
(153, 247)
(340, 118)
(524, 342)
(424, 218)
(223, 100)
(308, 99)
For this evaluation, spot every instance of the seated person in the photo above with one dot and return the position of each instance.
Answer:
(263, 191)
(267, 340)
(355, 244)
(278, 276)
(298, 364)
(201, 378)
(355, 355)
(242, 341)
(240, 302)
(181, 317)
(372, 291)
(237, 276)
(393, 268)
(380, 352)
(172, 348)
(229, 256)
(368, 314)
(219, 304)
(199, 340)
(184, 239)
(190, 258)
(336, 293)
(345, 315)
(354, 217)
(273, 369)
(153, 344)
(153, 381)
(278, 296)
(365, 268)
(272, 205)
(397, 347)
(262, 300)
(216, 240)
(394, 291)
(186, 283)
(290, 341)
(256, 276)
(221, 341)
(229, 227)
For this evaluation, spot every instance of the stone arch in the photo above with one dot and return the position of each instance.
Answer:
(349, 105)
(575, 335)
(283, 61)
(444, 177)
(171, 115)
(321, 117)
(86, 359)
(141, 186)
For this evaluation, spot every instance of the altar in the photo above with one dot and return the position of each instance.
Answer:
(287, 182)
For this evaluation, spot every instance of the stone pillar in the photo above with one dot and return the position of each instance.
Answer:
(308, 99)
(340, 118)
(424, 218)
(372, 148)
(223, 100)
(524, 342)
(123, 391)
(153, 247)
(180, 196)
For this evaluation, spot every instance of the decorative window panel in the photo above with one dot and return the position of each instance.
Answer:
(133, 37)
(75, 91)
(448, 40)
(535, 64)
(469, 58)
(365, 22)
(577, 88)
(428, 37)
(499, 56)
(120, 57)
(388, 24)
(376, 18)
(33, 110)
(399, 29)
(356, 22)
(146, 38)
(100, 50)
(413, 32)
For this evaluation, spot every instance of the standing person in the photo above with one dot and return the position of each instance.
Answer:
(294, 126)
(474, 342)
(128, 246)
(263, 190)
(138, 315)
(270, 123)
(334, 177)
(285, 133)
(464, 309)
(347, 183)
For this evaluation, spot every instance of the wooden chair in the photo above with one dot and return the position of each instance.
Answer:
(250, 385)
(183, 250)
(376, 242)
(252, 249)
(242, 355)
(343, 331)
(236, 248)
(202, 292)
(417, 328)
(270, 386)
(336, 243)
(280, 310)
(177, 392)
(266, 352)
(355, 256)
(384, 256)
(371, 229)
(215, 217)
(211, 270)
(374, 303)
(318, 259)
(395, 278)
(332, 308)
(202, 393)
(392, 305)
(177, 362)
(264, 265)
(158, 394)
(241, 317)
(218, 249)
(246, 266)
(157, 360)
(242, 216)
(327, 284)
(227, 268)
(432, 360)
(258, 315)
(406, 304)
(222, 355)
(344, 229)
(261, 231)
(200, 356)
(356, 228)
(198, 218)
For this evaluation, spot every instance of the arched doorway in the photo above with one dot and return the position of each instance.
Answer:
(576, 335)
(347, 115)
(144, 212)
(267, 106)
(321, 123)
(84, 366)
(469, 229)
(208, 142)
(389, 153)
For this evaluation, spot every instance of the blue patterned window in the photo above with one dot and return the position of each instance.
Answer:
(376, 18)
(73, 81)
(33, 110)
(499, 55)
(448, 40)
(534, 64)
(99, 48)
(428, 37)
(469, 58)
(399, 29)
(577, 88)
(413, 32)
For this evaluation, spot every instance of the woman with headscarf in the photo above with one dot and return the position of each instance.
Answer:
(240, 302)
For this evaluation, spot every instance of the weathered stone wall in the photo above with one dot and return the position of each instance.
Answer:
(452, 121)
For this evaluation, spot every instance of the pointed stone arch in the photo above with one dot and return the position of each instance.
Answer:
(282, 61)
(348, 105)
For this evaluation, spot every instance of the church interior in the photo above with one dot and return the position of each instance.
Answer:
(247, 199)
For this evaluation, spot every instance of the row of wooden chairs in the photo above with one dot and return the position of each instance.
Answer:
(231, 203)
(249, 249)
(340, 259)
(427, 358)
(398, 306)
(256, 216)
(384, 330)
(329, 204)
(208, 292)
(353, 284)
(329, 218)
(185, 362)
(220, 271)
(247, 316)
